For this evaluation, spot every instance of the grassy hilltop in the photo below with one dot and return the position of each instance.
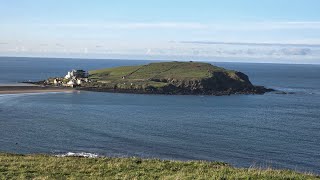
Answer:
(173, 78)
(165, 70)
(50, 167)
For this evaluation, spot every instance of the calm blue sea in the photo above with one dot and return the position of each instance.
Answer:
(272, 130)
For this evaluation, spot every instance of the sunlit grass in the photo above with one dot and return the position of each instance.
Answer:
(50, 167)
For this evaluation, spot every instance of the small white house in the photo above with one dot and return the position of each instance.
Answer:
(68, 76)
(71, 83)
(79, 82)
(55, 82)
(76, 74)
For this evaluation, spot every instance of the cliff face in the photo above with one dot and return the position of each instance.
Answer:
(220, 83)
(224, 81)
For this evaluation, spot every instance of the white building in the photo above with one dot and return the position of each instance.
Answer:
(76, 74)
(68, 76)
(78, 81)
(71, 83)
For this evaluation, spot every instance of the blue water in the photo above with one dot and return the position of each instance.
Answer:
(272, 130)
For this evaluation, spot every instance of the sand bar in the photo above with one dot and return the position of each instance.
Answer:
(32, 89)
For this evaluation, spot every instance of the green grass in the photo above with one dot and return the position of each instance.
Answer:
(113, 73)
(144, 75)
(50, 167)
(177, 70)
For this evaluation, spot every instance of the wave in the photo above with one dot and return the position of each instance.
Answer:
(79, 154)
(298, 90)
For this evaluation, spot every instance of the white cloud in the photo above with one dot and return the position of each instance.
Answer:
(202, 39)
(195, 25)
(279, 25)
(162, 25)
(276, 44)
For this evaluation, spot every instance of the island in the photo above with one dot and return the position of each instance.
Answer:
(172, 78)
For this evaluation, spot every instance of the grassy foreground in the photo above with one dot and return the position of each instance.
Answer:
(50, 167)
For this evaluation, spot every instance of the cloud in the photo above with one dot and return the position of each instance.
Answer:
(249, 44)
(295, 25)
(59, 45)
(43, 45)
(296, 51)
(221, 26)
(266, 26)
(162, 25)
(262, 52)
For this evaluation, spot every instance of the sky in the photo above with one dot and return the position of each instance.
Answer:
(225, 30)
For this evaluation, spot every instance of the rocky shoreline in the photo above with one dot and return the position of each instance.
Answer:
(258, 90)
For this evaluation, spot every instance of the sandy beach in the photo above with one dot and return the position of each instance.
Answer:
(31, 89)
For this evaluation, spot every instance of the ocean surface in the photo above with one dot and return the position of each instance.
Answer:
(271, 130)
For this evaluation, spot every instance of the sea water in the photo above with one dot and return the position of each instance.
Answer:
(271, 130)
